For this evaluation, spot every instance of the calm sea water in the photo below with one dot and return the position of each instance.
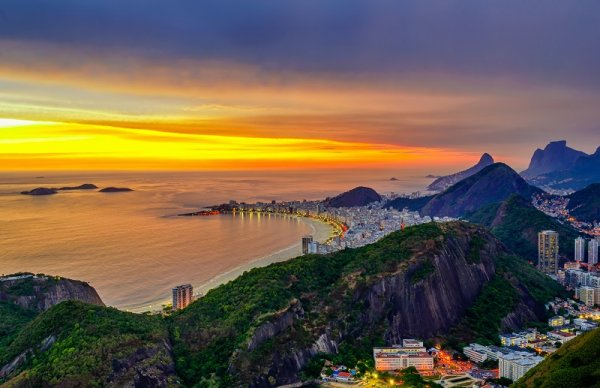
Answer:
(131, 248)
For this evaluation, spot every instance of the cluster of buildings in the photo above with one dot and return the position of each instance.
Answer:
(512, 364)
(523, 350)
(586, 285)
(410, 353)
(548, 253)
(338, 374)
(363, 225)
(555, 205)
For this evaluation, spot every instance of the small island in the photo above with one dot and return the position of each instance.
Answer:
(40, 191)
(85, 186)
(115, 190)
(393, 179)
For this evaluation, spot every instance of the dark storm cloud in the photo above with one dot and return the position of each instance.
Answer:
(540, 41)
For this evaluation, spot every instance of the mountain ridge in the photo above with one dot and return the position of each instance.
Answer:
(442, 183)
(492, 184)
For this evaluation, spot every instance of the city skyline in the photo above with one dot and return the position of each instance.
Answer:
(293, 85)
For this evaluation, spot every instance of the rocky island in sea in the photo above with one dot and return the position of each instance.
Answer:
(54, 190)
(115, 190)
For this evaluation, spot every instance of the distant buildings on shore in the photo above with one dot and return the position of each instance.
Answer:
(182, 296)
(548, 251)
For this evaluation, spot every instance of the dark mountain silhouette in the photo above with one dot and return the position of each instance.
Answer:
(585, 171)
(555, 157)
(494, 183)
(442, 183)
(358, 196)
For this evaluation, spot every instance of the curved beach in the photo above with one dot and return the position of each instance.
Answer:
(321, 231)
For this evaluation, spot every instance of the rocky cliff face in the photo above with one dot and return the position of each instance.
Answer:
(42, 292)
(425, 298)
(432, 305)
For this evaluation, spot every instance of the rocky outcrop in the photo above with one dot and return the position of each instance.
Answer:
(285, 366)
(146, 367)
(442, 183)
(433, 305)
(115, 190)
(42, 292)
(40, 191)
(18, 361)
(281, 322)
(406, 304)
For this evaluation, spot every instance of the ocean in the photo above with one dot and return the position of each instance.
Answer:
(132, 248)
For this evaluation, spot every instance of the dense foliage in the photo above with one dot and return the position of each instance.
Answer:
(482, 321)
(88, 341)
(516, 223)
(584, 204)
(575, 364)
(12, 319)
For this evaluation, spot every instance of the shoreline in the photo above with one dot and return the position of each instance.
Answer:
(320, 230)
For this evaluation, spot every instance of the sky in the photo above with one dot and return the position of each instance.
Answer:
(237, 84)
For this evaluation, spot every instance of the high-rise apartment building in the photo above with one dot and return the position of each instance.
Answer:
(579, 249)
(182, 296)
(548, 251)
(514, 365)
(593, 252)
(306, 240)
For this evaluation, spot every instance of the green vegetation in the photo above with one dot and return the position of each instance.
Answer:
(474, 255)
(422, 272)
(88, 341)
(499, 297)
(13, 319)
(584, 204)
(516, 223)
(223, 340)
(575, 364)
(482, 320)
(208, 332)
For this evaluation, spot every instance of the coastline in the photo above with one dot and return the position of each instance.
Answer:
(320, 230)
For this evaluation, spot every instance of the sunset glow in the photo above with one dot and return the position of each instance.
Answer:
(62, 146)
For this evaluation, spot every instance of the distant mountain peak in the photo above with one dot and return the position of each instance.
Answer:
(555, 156)
(442, 183)
(486, 159)
(494, 183)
